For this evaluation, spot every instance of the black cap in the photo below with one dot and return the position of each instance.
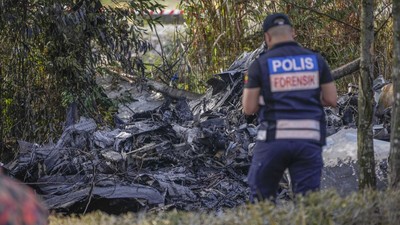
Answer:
(276, 19)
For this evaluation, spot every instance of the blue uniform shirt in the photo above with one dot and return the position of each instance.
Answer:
(290, 79)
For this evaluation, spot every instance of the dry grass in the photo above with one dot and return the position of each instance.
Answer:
(319, 208)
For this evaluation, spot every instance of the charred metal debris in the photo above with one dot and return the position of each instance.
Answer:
(189, 155)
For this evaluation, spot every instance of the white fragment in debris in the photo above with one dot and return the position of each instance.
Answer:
(85, 124)
(189, 134)
(112, 156)
(104, 138)
(124, 135)
(192, 134)
(251, 148)
(342, 146)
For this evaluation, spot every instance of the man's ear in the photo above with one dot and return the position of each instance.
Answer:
(294, 33)
(265, 41)
(267, 38)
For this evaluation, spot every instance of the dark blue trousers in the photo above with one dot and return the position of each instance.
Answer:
(270, 159)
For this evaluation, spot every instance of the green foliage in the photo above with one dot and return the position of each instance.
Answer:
(368, 207)
(49, 52)
(222, 30)
(171, 58)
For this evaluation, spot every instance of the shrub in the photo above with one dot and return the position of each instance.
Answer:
(327, 207)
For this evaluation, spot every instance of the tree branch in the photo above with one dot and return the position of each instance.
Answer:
(158, 86)
(346, 69)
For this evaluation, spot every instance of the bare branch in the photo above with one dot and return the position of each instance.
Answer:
(347, 69)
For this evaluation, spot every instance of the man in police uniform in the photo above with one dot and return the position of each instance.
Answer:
(288, 86)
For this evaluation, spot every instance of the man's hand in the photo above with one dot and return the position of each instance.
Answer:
(328, 94)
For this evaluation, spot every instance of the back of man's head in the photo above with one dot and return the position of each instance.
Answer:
(278, 27)
(281, 31)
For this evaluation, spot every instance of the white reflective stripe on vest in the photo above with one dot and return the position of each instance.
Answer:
(298, 134)
(298, 129)
(298, 124)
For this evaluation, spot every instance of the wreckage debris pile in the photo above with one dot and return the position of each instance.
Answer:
(189, 156)
(186, 155)
(160, 158)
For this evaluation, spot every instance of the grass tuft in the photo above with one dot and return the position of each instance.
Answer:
(327, 207)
